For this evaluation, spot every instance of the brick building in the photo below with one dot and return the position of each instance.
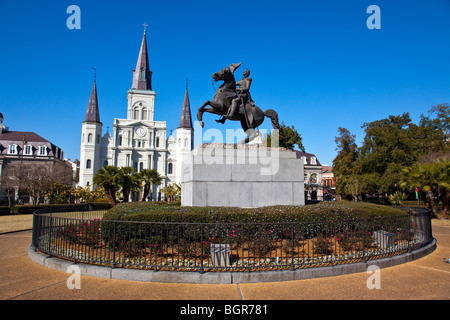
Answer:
(27, 163)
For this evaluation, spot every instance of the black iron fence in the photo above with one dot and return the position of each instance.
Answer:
(84, 237)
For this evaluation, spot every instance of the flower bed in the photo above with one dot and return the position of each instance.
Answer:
(169, 237)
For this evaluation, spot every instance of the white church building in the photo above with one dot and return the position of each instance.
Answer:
(139, 141)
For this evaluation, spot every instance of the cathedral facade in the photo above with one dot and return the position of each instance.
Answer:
(139, 141)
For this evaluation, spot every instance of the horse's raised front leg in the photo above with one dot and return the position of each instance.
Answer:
(200, 112)
(203, 109)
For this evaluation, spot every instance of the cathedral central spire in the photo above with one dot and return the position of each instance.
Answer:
(142, 76)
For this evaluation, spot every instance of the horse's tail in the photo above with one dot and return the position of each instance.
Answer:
(273, 115)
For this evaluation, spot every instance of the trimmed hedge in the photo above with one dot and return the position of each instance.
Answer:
(29, 209)
(324, 211)
(4, 210)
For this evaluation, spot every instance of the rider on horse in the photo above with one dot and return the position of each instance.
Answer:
(244, 94)
(244, 98)
(226, 103)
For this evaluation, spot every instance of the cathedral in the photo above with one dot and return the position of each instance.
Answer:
(139, 141)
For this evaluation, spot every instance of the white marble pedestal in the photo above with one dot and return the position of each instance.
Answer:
(238, 175)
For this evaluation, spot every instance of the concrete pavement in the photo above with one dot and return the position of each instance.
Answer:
(423, 279)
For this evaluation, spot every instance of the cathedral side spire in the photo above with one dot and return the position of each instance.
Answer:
(92, 112)
(142, 76)
(185, 119)
(90, 148)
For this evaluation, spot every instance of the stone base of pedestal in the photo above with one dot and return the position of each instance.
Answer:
(246, 176)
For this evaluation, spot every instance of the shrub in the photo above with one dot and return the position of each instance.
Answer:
(397, 198)
(354, 241)
(323, 212)
(322, 246)
(85, 232)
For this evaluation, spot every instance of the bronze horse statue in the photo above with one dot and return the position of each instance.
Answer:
(250, 116)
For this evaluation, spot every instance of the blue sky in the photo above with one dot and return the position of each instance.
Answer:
(315, 62)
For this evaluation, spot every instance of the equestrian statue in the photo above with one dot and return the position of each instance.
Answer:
(233, 102)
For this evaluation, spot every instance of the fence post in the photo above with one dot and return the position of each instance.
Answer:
(40, 230)
(363, 239)
(34, 236)
(201, 249)
(50, 237)
(114, 245)
(292, 249)
(408, 228)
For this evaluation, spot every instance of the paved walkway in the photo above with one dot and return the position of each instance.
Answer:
(423, 279)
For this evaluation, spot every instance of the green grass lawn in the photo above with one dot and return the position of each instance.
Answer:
(16, 222)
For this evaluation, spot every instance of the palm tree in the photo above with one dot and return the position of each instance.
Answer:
(430, 178)
(107, 177)
(149, 177)
(129, 180)
(171, 191)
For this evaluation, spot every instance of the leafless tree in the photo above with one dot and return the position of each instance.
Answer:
(35, 178)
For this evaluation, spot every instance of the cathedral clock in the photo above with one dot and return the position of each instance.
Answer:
(141, 132)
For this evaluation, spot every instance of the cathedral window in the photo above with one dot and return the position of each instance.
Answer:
(170, 168)
(157, 142)
(88, 163)
(89, 138)
(136, 114)
(142, 75)
(144, 114)
(186, 142)
(120, 140)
